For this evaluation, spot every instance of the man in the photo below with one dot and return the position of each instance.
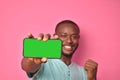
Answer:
(60, 69)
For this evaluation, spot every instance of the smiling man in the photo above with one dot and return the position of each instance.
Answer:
(61, 69)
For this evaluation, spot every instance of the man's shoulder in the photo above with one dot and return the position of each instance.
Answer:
(54, 62)
(76, 65)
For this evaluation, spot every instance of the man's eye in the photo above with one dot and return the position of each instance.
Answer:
(75, 36)
(63, 36)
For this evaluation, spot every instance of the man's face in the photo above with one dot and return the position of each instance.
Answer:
(69, 35)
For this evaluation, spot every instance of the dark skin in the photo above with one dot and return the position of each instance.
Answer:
(69, 35)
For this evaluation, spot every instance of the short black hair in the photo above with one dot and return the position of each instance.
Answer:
(69, 22)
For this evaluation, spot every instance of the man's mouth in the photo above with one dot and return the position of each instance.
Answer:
(69, 48)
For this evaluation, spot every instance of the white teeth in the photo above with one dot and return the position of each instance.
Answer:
(67, 47)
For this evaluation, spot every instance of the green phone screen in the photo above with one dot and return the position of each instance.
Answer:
(39, 48)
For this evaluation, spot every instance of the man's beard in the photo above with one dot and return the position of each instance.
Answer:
(67, 55)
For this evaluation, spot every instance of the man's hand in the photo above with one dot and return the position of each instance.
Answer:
(33, 64)
(40, 37)
(91, 68)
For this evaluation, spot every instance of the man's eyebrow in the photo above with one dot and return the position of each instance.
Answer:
(74, 33)
(63, 33)
(67, 34)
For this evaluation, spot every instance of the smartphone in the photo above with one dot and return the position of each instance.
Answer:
(38, 48)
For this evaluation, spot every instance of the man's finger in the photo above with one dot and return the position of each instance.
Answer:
(91, 62)
(44, 60)
(55, 36)
(37, 60)
(90, 67)
(40, 36)
(31, 59)
(46, 37)
(30, 35)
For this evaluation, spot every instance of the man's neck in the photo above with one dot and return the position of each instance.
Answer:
(66, 60)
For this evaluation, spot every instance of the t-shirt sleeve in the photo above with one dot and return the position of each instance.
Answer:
(30, 75)
(39, 72)
(84, 74)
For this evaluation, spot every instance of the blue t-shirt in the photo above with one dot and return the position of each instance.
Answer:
(56, 69)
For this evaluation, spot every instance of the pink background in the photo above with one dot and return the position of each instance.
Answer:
(99, 21)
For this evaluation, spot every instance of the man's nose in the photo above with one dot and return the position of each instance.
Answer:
(69, 39)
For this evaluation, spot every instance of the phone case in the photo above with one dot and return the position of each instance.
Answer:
(39, 48)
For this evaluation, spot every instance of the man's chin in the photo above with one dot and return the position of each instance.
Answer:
(67, 54)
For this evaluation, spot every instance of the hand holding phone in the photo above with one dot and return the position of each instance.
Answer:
(40, 37)
(39, 48)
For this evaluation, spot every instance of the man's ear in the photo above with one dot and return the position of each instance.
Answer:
(54, 34)
(79, 36)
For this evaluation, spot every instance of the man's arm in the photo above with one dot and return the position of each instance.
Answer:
(91, 68)
(32, 65)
